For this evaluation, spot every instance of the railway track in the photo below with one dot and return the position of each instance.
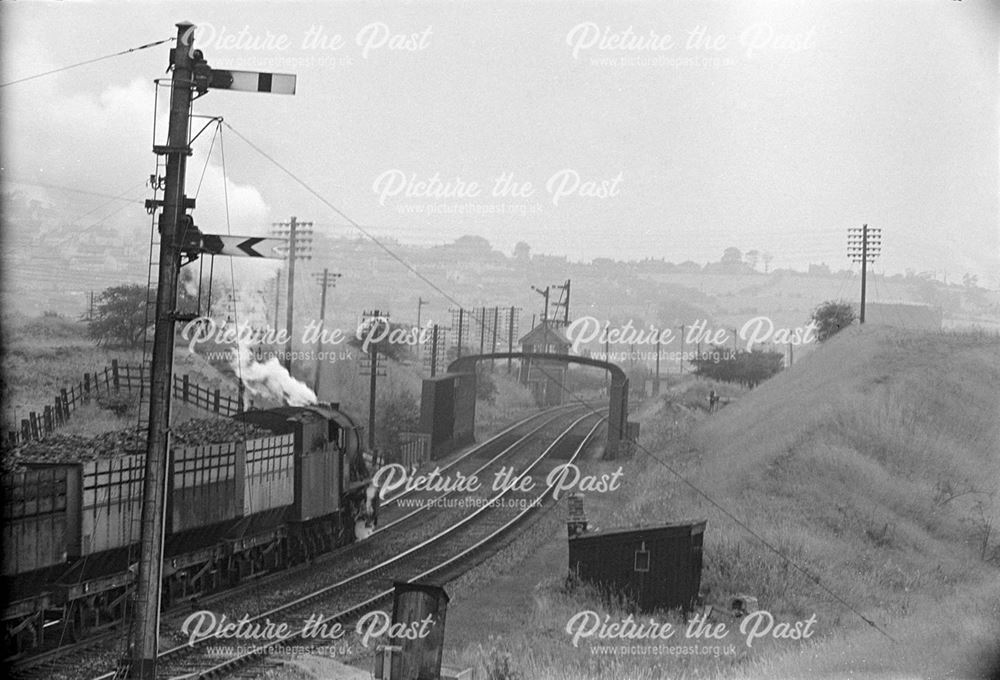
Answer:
(450, 551)
(65, 660)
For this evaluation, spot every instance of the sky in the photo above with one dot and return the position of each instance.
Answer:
(645, 129)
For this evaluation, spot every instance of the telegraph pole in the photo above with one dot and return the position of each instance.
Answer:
(510, 337)
(291, 229)
(864, 245)
(420, 303)
(656, 390)
(277, 298)
(143, 641)
(374, 317)
(682, 348)
(434, 351)
(327, 280)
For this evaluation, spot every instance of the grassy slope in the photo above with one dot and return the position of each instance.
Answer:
(844, 463)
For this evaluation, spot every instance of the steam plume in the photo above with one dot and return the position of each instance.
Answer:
(270, 379)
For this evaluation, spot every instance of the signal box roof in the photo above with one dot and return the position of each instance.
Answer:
(545, 334)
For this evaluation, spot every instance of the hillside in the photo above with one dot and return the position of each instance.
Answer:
(875, 465)
(872, 467)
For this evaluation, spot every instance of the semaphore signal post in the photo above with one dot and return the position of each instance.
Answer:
(178, 236)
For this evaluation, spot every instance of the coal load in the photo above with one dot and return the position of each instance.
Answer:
(74, 448)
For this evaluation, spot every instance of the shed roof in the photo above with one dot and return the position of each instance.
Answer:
(691, 524)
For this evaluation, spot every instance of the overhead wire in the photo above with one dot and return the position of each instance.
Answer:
(698, 490)
(84, 63)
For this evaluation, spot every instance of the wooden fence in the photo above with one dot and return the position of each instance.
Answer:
(114, 380)
(415, 449)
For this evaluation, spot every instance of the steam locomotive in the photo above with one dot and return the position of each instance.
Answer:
(234, 511)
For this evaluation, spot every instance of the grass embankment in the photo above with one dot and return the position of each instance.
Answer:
(874, 466)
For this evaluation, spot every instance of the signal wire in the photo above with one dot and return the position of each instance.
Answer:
(694, 487)
(84, 63)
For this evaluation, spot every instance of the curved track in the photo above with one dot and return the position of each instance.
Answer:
(403, 525)
(450, 551)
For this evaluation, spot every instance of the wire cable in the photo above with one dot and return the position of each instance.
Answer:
(84, 63)
(694, 487)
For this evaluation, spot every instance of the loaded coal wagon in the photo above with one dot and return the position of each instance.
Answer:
(284, 485)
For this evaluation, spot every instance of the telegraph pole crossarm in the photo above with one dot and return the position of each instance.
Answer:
(299, 236)
(864, 244)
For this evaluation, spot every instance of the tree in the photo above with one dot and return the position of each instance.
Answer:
(831, 317)
(398, 411)
(745, 368)
(522, 252)
(732, 256)
(392, 342)
(120, 317)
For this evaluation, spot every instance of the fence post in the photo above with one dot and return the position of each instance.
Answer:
(33, 418)
(216, 400)
(114, 374)
(25, 429)
(86, 383)
(185, 386)
(47, 418)
(58, 411)
(107, 379)
(239, 404)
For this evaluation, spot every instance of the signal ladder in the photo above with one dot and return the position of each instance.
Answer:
(152, 280)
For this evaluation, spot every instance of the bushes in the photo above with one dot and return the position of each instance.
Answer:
(745, 368)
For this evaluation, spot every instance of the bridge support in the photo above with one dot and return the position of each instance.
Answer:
(617, 416)
(448, 402)
(448, 411)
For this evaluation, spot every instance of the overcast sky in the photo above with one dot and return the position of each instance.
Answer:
(646, 129)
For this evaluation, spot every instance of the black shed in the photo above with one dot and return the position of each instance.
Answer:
(657, 566)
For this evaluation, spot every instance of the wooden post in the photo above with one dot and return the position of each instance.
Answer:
(58, 411)
(25, 429)
(86, 383)
(414, 603)
(65, 403)
(185, 387)
(114, 374)
(33, 418)
(47, 418)
(215, 406)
